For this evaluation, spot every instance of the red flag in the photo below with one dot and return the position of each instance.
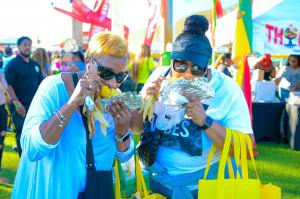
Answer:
(154, 6)
(216, 12)
(247, 85)
(219, 9)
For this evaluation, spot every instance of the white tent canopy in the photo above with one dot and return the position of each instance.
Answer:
(276, 27)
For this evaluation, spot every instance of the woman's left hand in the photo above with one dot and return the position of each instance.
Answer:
(122, 117)
(195, 109)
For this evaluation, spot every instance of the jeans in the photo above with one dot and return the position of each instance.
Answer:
(284, 94)
(18, 122)
(184, 186)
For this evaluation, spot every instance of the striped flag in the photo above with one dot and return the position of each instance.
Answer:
(242, 47)
(216, 12)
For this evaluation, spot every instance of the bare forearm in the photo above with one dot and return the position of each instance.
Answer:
(123, 146)
(217, 134)
(11, 92)
(277, 80)
(50, 130)
(137, 123)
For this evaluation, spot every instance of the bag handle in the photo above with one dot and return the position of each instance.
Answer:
(210, 157)
(222, 163)
(140, 180)
(118, 184)
(237, 152)
(90, 164)
(242, 142)
(250, 148)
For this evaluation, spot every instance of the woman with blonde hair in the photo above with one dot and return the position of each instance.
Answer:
(56, 162)
(40, 55)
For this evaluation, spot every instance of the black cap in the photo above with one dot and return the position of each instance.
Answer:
(192, 44)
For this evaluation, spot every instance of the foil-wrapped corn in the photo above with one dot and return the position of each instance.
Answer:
(197, 86)
(94, 110)
(132, 100)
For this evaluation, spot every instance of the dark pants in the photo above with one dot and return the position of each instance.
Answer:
(18, 122)
(3, 127)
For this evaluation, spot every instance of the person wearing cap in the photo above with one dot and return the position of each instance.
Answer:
(177, 169)
(266, 65)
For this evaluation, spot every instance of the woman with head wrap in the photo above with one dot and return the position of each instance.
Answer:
(181, 156)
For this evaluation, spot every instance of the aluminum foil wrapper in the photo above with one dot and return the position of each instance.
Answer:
(89, 103)
(197, 86)
(132, 100)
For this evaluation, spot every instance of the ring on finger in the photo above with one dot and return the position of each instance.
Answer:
(117, 116)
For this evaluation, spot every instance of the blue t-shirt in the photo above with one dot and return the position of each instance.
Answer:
(58, 171)
(80, 65)
(228, 107)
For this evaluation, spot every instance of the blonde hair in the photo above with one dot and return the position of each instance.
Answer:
(107, 44)
(41, 57)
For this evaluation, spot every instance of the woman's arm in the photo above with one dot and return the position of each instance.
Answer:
(52, 129)
(277, 80)
(273, 72)
(137, 123)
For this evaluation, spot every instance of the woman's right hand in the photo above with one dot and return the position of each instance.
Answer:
(154, 87)
(83, 88)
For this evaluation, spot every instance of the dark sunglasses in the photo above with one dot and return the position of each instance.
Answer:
(181, 66)
(108, 74)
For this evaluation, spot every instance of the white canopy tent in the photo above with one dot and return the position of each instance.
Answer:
(276, 27)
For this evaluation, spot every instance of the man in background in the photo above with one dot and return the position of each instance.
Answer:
(23, 76)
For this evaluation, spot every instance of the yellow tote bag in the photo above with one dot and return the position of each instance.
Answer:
(238, 188)
(267, 191)
(141, 187)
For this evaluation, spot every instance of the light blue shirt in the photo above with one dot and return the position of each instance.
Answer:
(58, 171)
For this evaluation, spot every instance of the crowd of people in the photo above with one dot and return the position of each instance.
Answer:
(51, 135)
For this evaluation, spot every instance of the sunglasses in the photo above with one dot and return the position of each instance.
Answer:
(181, 66)
(108, 74)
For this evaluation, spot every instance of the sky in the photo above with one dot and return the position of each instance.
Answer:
(37, 18)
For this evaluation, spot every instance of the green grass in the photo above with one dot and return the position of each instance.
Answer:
(9, 166)
(276, 164)
(280, 166)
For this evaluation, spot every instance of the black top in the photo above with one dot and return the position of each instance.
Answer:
(24, 77)
(267, 76)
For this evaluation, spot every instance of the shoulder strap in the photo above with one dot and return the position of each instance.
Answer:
(89, 147)
(167, 73)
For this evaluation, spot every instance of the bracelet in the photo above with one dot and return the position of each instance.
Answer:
(61, 119)
(61, 116)
(12, 100)
(123, 138)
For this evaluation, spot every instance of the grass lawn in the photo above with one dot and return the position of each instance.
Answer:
(276, 164)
